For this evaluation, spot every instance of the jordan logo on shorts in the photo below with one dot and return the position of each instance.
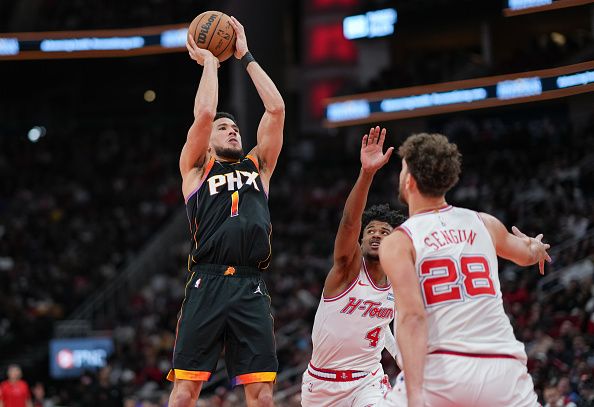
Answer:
(258, 290)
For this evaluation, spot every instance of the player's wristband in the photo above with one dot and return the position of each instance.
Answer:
(246, 59)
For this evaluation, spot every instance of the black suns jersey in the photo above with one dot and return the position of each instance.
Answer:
(229, 216)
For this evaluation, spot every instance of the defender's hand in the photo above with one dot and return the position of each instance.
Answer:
(241, 46)
(372, 157)
(537, 248)
(198, 54)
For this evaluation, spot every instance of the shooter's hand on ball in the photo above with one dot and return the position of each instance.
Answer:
(202, 56)
(241, 46)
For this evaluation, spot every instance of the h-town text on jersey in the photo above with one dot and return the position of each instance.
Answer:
(370, 309)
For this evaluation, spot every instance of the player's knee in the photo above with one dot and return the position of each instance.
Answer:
(184, 396)
(182, 399)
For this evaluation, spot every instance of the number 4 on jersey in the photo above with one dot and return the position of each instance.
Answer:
(373, 336)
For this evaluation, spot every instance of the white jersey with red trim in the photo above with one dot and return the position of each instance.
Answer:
(458, 274)
(349, 329)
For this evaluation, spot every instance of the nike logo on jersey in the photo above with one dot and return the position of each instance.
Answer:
(364, 285)
(371, 309)
(234, 180)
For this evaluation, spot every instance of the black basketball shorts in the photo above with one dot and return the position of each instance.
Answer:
(225, 308)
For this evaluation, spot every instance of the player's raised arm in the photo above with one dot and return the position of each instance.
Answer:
(517, 247)
(194, 152)
(347, 251)
(397, 257)
(270, 129)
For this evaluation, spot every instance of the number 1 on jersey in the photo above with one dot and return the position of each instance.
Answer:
(373, 336)
(234, 204)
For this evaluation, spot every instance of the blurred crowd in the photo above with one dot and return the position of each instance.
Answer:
(80, 206)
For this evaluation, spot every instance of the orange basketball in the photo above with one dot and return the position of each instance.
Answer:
(212, 30)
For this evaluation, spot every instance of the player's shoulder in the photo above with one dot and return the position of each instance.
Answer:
(459, 212)
(487, 219)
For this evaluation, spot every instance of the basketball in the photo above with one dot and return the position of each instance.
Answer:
(212, 30)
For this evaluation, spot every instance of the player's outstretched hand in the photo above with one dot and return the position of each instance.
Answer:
(198, 54)
(241, 46)
(537, 248)
(372, 155)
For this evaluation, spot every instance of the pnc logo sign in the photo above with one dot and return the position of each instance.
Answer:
(81, 358)
(70, 357)
(65, 359)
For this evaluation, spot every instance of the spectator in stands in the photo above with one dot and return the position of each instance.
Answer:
(586, 389)
(106, 394)
(566, 392)
(14, 392)
(38, 393)
(553, 397)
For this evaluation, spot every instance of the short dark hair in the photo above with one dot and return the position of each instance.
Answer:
(226, 115)
(382, 213)
(433, 161)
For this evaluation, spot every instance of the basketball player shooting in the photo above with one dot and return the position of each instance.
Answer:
(351, 326)
(226, 302)
(457, 344)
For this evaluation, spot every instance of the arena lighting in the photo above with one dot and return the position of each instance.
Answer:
(150, 96)
(9, 46)
(577, 79)
(522, 7)
(349, 110)
(522, 4)
(174, 38)
(378, 23)
(461, 95)
(433, 99)
(518, 88)
(36, 133)
(91, 44)
(96, 43)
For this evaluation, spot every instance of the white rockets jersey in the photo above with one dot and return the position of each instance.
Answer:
(458, 274)
(349, 329)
